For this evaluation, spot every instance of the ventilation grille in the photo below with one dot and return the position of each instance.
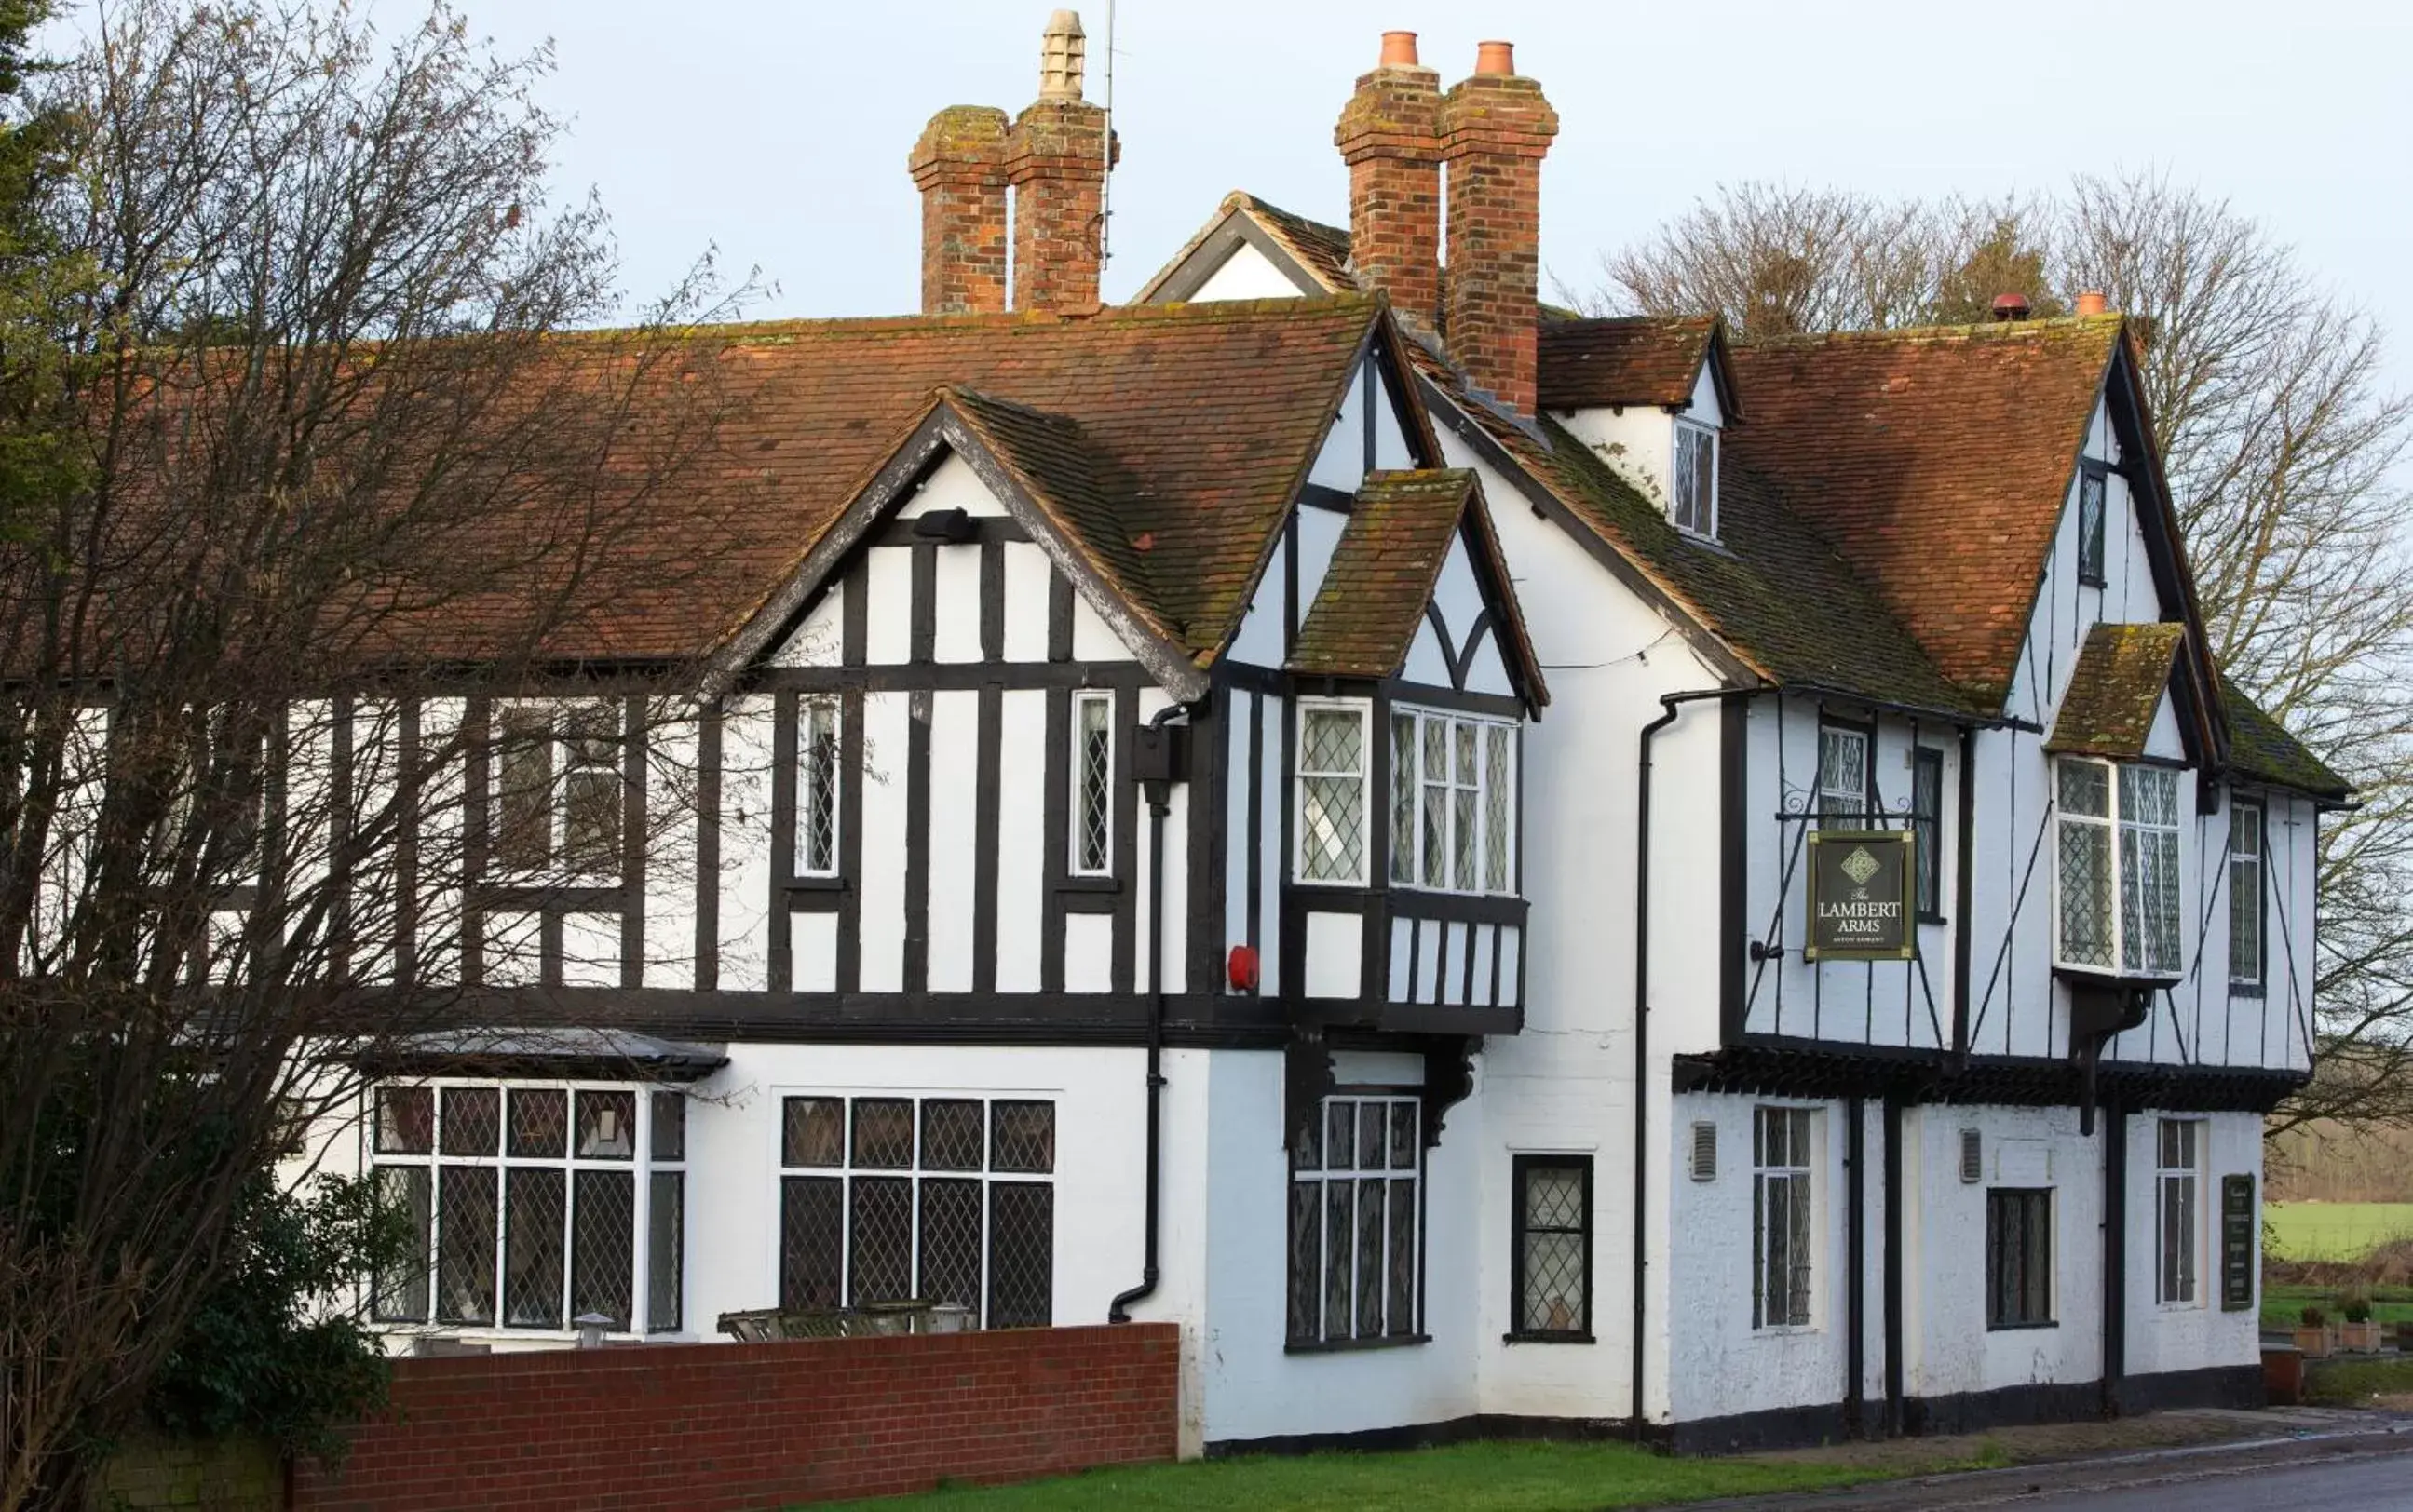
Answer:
(1705, 1151)
(1973, 1157)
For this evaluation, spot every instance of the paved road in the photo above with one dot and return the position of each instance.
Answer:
(2365, 1483)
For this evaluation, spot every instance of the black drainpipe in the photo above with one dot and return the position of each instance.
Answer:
(1893, 1263)
(1669, 703)
(1965, 892)
(1160, 758)
(1856, 1246)
(2115, 1253)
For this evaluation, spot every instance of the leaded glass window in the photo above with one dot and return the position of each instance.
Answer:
(1093, 783)
(1843, 762)
(1927, 824)
(1553, 1263)
(1453, 802)
(2247, 870)
(1356, 1230)
(1331, 793)
(817, 778)
(1693, 502)
(929, 1199)
(2118, 874)
(1784, 1196)
(2091, 490)
(558, 788)
(531, 1205)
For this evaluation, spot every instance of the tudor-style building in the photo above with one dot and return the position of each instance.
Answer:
(1130, 871)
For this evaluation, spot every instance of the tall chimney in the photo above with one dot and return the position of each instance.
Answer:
(1389, 134)
(959, 167)
(1495, 129)
(1056, 159)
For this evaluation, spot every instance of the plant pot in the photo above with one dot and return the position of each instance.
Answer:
(2313, 1343)
(2360, 1338)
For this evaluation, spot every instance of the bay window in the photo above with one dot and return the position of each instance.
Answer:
(1357, 1207)
(2117, 847)
(532, 1205)
(1453, 802)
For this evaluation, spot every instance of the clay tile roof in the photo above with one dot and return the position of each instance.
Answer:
(1938, 461)
(2260, 748)
(1171, 438)
(1637, 359)
(1322, 250)
(2115, 689)
(1382, 573)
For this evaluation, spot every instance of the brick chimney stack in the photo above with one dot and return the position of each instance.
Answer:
(1496, 128)
(1389, 134)
(1055, 157)
(959, 167)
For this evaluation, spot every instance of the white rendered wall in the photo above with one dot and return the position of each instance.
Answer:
(1246, 275)
(2186, 1336)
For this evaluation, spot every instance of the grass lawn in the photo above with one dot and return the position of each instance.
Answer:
(2282, 1307)
(1465, 1478)
(2335, 1230)
(2352, 1382)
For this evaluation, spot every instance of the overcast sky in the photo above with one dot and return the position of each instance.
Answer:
(777, 129)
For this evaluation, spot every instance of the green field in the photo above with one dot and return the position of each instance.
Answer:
(2282, 1307)
(2335, 1230)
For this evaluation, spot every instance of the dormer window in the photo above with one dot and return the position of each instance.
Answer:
(1693, 491)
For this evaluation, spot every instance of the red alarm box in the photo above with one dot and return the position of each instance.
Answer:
(1241, 968)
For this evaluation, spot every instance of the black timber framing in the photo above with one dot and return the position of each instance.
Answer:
(1813, 1069)
(1734, 849)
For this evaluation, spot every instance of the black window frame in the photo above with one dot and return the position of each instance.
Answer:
(2256, 984)
(1927, 824)
(2092, 553)
(1521, 1171)
(2037, 1279)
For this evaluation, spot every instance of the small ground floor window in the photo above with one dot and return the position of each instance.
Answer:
(530, 1206)
(927, 1199)
(2019, 1257)
(1552, 1279)
(1356, 1221)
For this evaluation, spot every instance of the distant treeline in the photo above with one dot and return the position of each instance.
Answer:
(2325, 1161)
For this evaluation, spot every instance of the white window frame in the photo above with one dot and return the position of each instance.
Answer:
(821, 733)
(1685, 432)
(1414, 788)
(561, 759)
(1797, 1174)
(1301, 775)
(1349, 1180)
(2178, 1204)
(1839, 806)
(1078, 862)
(2249, 873)
(642, 1165)
(846, 1172)
(2132, 842)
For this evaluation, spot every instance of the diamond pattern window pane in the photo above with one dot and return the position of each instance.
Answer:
(524, 790)
(2090, 528)
(883, 1132)
(1022, 1255)
(2085, 894)
(592, 789)
(1552, 1249)
(464, 1246)
(1842, 773)
(1332, 795)
(1094, 789)
(1403, 1136)
(401, 1291)
(1369, 1280)
(1339, 1259)
(607, 1126)
(603, 1247)
(1496, 821)
(666, 1252)
(1403, 798)
(812, 1242)
(1369, 1137)
(538, 1121)
(879, 1262)
(1306, 1260)
(470, 1120)
(405, 1120)
(814, 1131)
(951, 1243)
(1307, 1145)
(1024, 1137)
(817, 792)
(951, 1134)
(1400, 1259)
(2085, 787)
(1339, 1132)
(1435, 829)
(670, 1126)
(532, 1247)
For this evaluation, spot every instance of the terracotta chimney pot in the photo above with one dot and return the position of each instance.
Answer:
(1495, 57)
(2093, 303)
(1399, 50)
(2010, 307)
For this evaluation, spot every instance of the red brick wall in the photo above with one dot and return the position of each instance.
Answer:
(759, 1426)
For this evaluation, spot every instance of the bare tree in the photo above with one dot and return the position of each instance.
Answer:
(2285, 451)
(335, 473)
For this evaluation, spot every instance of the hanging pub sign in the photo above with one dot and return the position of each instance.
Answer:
(1860, 901)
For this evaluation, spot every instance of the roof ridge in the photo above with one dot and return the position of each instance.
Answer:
(1995, 329)
(1111, 314)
